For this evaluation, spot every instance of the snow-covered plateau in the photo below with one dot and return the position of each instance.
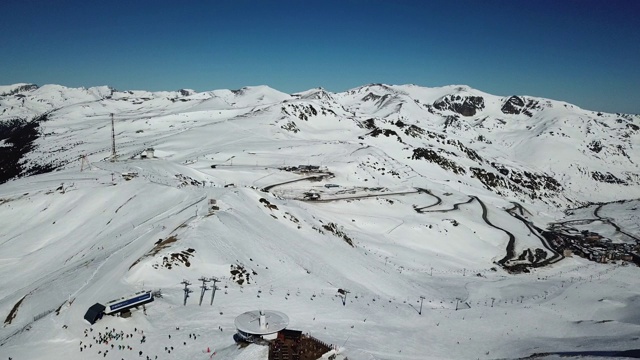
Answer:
(392, 222)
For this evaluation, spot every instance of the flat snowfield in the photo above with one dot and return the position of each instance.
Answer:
(320, 206)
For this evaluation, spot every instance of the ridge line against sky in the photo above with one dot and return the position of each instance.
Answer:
(582, 52)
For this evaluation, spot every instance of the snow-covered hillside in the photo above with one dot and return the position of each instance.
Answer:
(390, 192)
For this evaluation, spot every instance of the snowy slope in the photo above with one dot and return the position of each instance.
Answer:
(423, 205)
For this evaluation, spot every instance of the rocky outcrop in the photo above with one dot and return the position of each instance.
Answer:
(371, 97)
(21, 88)
(434, 157)
(519, 105)
(607, 178)
(463, 105)
(301, 111)
(595, 146)
(535, 185)
(513, 105)
(375, 130)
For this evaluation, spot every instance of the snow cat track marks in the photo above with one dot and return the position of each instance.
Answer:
(125, 203)
(176, 213)
(104, 261)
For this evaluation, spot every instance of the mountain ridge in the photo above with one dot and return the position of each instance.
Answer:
(458, 111)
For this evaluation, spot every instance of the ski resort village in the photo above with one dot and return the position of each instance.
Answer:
(383, 222)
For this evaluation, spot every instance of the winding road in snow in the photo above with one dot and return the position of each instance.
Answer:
(510, 248)
(536, 232)
(316, 177)
(605, 220)
(321, 176)
(610, 221)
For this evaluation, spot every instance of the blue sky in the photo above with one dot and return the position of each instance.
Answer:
(584, 52)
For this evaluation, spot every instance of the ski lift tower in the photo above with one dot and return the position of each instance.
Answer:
(214, 288)
(187, 291)
(84, 162)
(204, 288)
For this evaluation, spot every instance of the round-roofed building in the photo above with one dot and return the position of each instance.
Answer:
(263, 324)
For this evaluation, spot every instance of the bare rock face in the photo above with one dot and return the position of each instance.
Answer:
(519, 105)
(463, 105)
(371, 97)
(607, 178)
(21, 89)
(513, 105)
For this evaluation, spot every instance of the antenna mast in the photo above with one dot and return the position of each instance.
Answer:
(113, 140)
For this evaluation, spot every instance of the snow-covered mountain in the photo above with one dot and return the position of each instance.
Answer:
(392, 192)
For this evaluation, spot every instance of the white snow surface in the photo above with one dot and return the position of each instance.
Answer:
(71, 238)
